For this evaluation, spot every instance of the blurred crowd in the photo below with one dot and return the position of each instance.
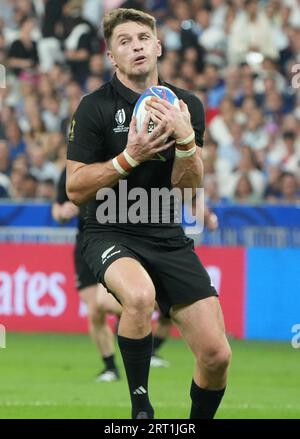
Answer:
(241, 57)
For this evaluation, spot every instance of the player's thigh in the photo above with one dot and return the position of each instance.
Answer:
(202, 326)
(128, 280)
(106, 301)
(88, 295)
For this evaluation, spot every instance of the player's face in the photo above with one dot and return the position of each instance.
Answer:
(134, 49)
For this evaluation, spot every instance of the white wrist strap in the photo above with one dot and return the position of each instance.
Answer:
(186, 140)
(118, 167)
(130, 160)
(183, 154)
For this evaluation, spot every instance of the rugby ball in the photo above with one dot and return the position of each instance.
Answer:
(140, 112)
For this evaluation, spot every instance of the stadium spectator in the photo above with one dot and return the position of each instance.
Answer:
(212, 191)
(40, 167)
(291, 159)
(219, 127)
(51, 114)
(78, 40)
(47, 190)
(289, 189)
(219, 167)
(244, 191)
(22, 54)
(248, 166)
(255, 134)
(231, 150)
(29, 187)
(5, 162)
(52, 15)
(16, 143)
(272, 191)
(256, 29)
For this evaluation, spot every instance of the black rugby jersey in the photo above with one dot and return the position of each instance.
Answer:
(98, 133)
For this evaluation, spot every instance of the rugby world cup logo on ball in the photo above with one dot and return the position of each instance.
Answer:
(159, 92)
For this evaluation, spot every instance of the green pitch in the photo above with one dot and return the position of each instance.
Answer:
(51, 376)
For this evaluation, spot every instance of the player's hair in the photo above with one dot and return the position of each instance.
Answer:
(121, 15)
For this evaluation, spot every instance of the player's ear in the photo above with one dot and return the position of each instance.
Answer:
(159, 49)
(111, 58)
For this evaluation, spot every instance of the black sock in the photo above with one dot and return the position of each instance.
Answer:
(109, 362)
(205, 403)
(157, 342)
(136, 354)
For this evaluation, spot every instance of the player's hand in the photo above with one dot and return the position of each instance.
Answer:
(143, 146)
(178, 119)
(69, 211)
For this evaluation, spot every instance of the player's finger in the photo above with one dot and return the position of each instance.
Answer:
(158, 130)
(165, 103)
(162, 138)
(144, 129)
(156, 116)
(132, 125)
(182, 105)
(165, 146)
(158, 106)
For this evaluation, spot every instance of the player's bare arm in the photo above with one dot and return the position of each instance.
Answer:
(84, 180)
(187, 170)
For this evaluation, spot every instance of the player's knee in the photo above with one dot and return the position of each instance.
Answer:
(141, 300)
(96, 314)
(101, 307)
(216, 359)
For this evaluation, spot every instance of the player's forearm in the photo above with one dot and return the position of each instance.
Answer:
(83, 182)
(188, 172)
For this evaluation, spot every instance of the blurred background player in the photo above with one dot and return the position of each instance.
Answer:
(99, 302)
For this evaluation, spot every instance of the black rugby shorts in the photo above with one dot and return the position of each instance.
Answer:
(176, 271)
(84, 276)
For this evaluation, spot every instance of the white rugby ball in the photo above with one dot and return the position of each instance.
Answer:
(158, 91)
